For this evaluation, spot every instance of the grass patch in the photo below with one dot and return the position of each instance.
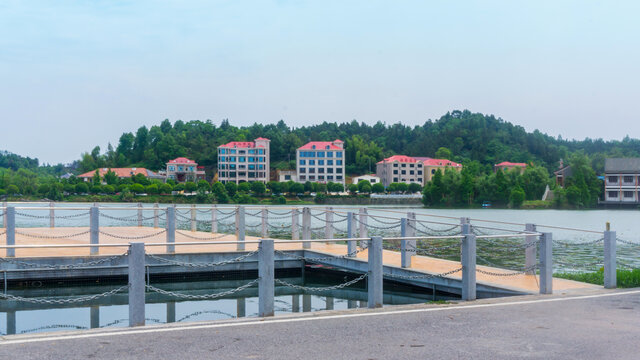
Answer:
(625, 278)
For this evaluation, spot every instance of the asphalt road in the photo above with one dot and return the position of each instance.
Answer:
(587, 328)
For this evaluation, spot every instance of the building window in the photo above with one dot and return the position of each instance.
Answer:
(312, 177)
(628, 179)
(338, 153)
(312, 170)
(252, 159)
(628, 194)
(303, 177)
(320, 162)
(320, 177)
(329, 153)
(411, 165)
(320, 170)
(222, 151)
(395, 172)
(241, 159)
(403, 172)
(419, 172)
(252, 151)
(173, 168)
(395, 165)
(339, 162)
(339, 177)
(302, 162)
(312, 162)
(339, 170)
(613, 179)
(330, 162)
(232, 158)
(395, 179)
(320, 154)
(329, 177)
(411, 172)
(303, 170)
(433, 171)
(613, 194)
(330, 170)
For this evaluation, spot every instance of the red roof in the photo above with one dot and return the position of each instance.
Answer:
(506, 163)
(261, 138)
(399, 158)
(440, 162)
(241, 144)
(181, 160)
(320, 145)
(120, 172)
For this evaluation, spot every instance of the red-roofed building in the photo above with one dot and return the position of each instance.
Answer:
(432, 165)
(244, 161)
(400, 168)
(321, 162)
(182, 169)
(505, 166)
(120, 173)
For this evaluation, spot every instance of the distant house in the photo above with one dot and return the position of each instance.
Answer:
(182, 169)
(244, 161)
(287, 175)
(562, 174)
(622, 180)
(505, 166)
(120, 173)
(371, 178)
(321, 162)
(432, 165)
(400, 168)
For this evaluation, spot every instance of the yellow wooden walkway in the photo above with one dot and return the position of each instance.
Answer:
(520, 282)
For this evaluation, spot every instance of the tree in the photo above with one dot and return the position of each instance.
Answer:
(179, 187)
(165, 188)
(296, 188)
(353, 188)
(190, 186)
(82, 188)
(444, 153)
(377, 188)
(414, 188)
(218, 189)
(366, 189)
(231, 188)
(402, 187)
(362, 184)
(258, 188)
(204, 185)
(244, 187)
(275, 187)
(516, 197)
(152, 189)
(110, 177)
(308, 186)
(13, 189)
(137, 188)
(96, 180)
(43, 189)
(108, 189)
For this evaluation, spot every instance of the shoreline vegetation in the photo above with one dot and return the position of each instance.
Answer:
(624, 278)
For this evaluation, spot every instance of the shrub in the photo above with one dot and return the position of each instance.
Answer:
(179, 187)
(152, 189)
(43, 189)
(204, 185)
(377, 188)
(244, 187)
(82, 188)
(190, 186)
(137, 188)
(258, 187)
(165, 188)
(108, 189)
(281, 200)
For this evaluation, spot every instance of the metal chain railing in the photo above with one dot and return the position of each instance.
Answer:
(280, 214)
(202, 297)
(425, 276)
(311, 288)
(203, 265)
(52, 236)
(351, 254)
(421, 223)
(198, 313)
(379, 227)
(212, 237)
(132, 218)
(54, 326)
(133, 237)
(627, 242)
(500, 274)
(55, 216)
(375, 218)
(568, 243)
(70, 300)
(65, 266)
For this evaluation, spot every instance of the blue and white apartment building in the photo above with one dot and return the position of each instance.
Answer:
(321, 162)
(244, 161)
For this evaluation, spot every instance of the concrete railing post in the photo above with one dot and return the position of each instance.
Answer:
(4, 211)
(52, 215)
(352, 245)
(136, 284)
(530, 249)
(264, 218)
(295, 232)
(546, 263)
(214, 219)
(171, 229)
(194, 214)
(374, 278)
(468, 264)
(266, 272)
(407, 247)
(363, 230)
(306, 227)
(94, 229)
(156, 215)
(10, 218)
(139, 214)
(328, 225)
(240, 228)
(610, 281)
(465, 221)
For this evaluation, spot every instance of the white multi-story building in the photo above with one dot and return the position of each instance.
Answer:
(622, 180)
(244, 161)
(400, 169)
(321, 162)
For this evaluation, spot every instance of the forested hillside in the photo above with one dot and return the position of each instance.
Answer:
(484, 139)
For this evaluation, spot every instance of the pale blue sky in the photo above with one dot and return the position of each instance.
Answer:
(74, 74)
